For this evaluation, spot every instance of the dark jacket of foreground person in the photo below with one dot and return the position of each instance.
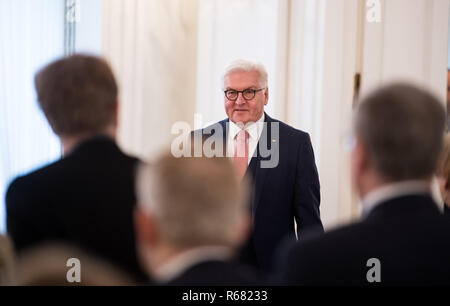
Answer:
(408, 235)
(85, 199)
(217, 273)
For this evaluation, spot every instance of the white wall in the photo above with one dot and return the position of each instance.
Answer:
(229, 30)
(448, 59)
(410, 43)
(89, 28)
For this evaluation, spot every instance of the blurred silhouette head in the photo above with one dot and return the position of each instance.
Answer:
(78, 95)
(246, 91)
(53, 265)
(398, 130)
(186, 203)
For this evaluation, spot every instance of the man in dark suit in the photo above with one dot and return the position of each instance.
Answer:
(87, 197)
(190, 219)
(402, 239)
(278, 158)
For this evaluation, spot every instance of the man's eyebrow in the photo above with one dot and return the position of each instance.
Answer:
(251, 87)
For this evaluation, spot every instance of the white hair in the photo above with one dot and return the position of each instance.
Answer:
(248, 66)
(195, 201)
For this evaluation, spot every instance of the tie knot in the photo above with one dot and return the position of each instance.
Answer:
(242, 135)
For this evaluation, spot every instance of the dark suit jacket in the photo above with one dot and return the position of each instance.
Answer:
(408, 235)
(289, 191)
(85, 199)
(217, 273)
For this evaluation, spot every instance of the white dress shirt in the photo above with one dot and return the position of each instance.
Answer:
(254, 130)
(391, 191)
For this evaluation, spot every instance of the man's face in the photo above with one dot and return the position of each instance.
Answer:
(241, 110)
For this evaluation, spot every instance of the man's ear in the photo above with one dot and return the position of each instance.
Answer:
(145, 229)
(242, 230)
(116, 114)
(360, 161)
(115, 124)
(364, 155)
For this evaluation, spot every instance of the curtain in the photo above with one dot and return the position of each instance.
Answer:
(152, 47)
(31, 34)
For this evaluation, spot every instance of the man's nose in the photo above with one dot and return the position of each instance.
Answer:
(240, 99)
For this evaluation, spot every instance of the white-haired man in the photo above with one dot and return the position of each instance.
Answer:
(190, 219)
(278, 158)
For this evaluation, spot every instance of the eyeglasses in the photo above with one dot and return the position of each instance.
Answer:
(247, 94)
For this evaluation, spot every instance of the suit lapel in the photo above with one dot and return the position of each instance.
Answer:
(260, 173)
(225, 126)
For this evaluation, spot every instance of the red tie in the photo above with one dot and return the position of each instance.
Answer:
(241, 153)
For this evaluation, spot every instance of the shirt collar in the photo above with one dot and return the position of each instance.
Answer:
(391, 191)
(254, 129)
(183, 261)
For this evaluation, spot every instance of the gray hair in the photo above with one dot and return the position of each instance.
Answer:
(248, 66)
(401, 127)
(196, 201)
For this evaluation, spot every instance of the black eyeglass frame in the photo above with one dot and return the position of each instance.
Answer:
(254, 91)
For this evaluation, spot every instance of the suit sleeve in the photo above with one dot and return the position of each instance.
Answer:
(18, 225)
(307, 191)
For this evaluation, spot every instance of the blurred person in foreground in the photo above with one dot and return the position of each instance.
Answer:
(6, 260)
(402, 239)
(87, 197)
(191, 217)
(62, 265)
